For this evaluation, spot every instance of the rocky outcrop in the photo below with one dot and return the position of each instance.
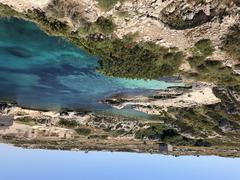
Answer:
(184, 15)
(231, 99)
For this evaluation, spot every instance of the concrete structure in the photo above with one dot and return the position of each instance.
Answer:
(165, 148)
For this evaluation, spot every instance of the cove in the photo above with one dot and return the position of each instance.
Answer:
(29, 164)
(44, 72)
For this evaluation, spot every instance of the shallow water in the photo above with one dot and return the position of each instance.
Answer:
(25, 164)
(40, 71)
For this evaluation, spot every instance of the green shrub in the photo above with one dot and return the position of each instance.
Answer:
(171, 136)
(205, 47)
(161, 132)
(49, 24)
(200, 51)
(102, 25)
(105, 25)
(144, 60)
(153, 132)
(128, 59)
(209, 70)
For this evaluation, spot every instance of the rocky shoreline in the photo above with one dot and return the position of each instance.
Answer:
(89, 131)
(199, 94)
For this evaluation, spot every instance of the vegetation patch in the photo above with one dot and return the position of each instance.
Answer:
(200, 51)
(220, 121)
(5, 10)
(154, 131)
(108, 4)
(102, 25)
(97, 136)
(160, 132)
(210, 70)
(68, 123)
(26, 120)
(144, 60)
(128, 59)
(51, 25)
(83, 131)
(31, 121)
(106, 25)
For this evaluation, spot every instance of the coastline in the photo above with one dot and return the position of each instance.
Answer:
(194, 121)
(89, 131)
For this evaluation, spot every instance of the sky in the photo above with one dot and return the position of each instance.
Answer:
(28, 164)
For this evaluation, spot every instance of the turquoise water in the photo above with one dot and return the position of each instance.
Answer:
(25, 164)
(40, 71)
(45, 72)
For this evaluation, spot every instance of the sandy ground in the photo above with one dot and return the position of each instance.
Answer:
(22, 5)
(27, 131)
(18, 112)
(33, 113)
